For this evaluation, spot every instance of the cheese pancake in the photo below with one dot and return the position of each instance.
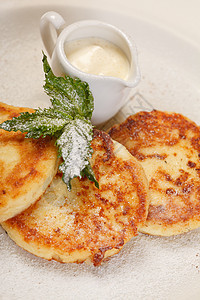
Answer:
(27, 166)
(87, 224)
(168, 147)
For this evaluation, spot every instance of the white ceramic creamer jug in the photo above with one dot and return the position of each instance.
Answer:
(109, 92)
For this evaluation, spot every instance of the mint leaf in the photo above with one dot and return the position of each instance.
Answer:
(88, 172)
(40, 123)
(68, 120)
(68, 94)
(74, 147)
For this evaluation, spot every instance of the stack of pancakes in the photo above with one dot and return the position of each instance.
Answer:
(148, 169)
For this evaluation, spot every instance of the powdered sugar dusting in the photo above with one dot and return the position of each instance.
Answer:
(74, 144)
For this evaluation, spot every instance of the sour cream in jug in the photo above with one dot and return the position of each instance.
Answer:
(97, 56)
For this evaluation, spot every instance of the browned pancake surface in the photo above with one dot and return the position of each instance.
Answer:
(27, 166)
(168, 147)
(87, 224)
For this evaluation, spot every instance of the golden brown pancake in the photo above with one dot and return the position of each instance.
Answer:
(27, 166)
(87, 224)
(168, 147)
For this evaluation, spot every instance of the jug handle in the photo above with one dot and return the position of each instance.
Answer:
(47, 21)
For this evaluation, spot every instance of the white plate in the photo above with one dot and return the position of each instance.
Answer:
(148, 267)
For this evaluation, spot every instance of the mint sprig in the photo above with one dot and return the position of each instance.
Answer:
(68, 120)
